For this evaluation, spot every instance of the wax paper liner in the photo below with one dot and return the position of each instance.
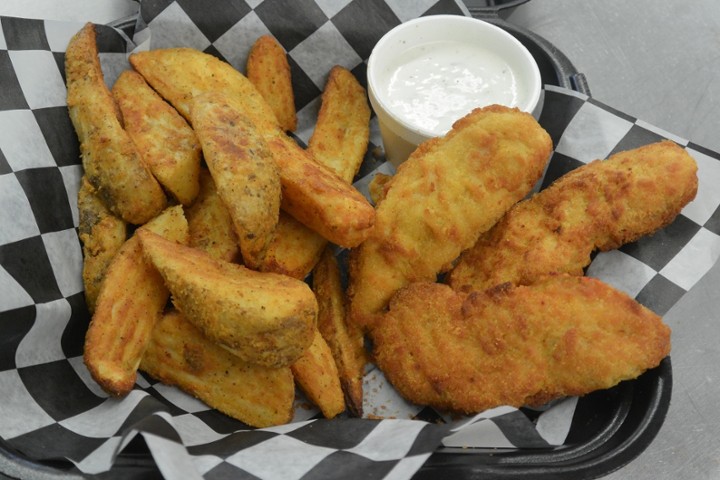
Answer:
(54, 413)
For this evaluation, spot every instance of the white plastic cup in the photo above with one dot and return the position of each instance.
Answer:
(401, 137)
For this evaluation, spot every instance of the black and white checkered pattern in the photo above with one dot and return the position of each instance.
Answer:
(53, 411)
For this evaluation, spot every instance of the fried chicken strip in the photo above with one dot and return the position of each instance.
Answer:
(599, 206)
(110, 159)
(442, 198)
(526, 345)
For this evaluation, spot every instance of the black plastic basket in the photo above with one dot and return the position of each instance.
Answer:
(609, 429)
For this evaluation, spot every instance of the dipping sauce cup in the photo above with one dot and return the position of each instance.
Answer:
(426, 73)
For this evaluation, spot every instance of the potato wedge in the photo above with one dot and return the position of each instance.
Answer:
(211, 228)
(310, 192)
(263, 318)
(294, 250)
(179, 354)
(346, 340)
(102, 234)
(110, 159)
(341, 135)
(165, 141)
(339, 142)
(316, 374)
(131, 300)
(243, 169)
(268, 69)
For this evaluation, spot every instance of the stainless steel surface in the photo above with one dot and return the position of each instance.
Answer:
(658, 61)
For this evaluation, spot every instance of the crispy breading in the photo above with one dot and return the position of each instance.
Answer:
(339, 142)
(110, 159)
(211, 228)
(179, 354)
(448, 192)
(131, 300)
(311, 192)
(264, 318)
(102, 234)
(346, 340)
(243, 169)
(317, 375)
(599, 206)
(165, 141)
(268, 69)
(526, 345)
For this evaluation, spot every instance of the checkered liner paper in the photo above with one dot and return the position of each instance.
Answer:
(53, 412)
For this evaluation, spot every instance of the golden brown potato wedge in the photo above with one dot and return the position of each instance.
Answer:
(264, 318)
(311, 192)
(180, 74)
(165, 141)
(339, 142)
(268, 69)
(102, 234)
(342, 131)
(243, 169)
(346, 340)
(211, 228)
(316, 374)
(131, 300)
(179, 354)
(294, 250)
(110, 159)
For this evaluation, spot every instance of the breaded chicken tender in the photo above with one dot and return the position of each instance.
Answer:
(599, 206)
(516, 346)
(442, 198)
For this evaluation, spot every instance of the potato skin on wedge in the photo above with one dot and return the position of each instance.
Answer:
(102, 235)
(164, 139)
(317, 375)
(179, 354)
(268, 69)
(111, 161)
(131, 300)
(264, 318)
(311, 192)
(243, 169)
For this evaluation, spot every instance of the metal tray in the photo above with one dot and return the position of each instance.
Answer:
(610, 428)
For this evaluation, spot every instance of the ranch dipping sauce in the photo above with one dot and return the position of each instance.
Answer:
(442, 81)
(426, 73)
